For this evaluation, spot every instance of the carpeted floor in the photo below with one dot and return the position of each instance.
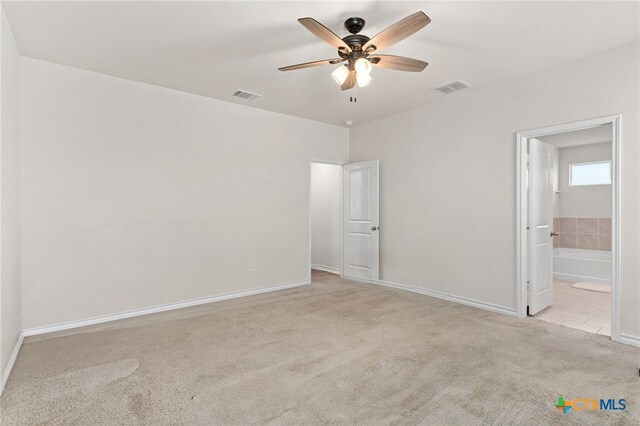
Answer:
(332, 352)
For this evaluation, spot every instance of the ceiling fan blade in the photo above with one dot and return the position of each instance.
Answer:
(398, 31)
(399, 63)
(324, 33)
(350, 81)
(311, 64)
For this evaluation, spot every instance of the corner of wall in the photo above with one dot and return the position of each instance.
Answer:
(10, 217)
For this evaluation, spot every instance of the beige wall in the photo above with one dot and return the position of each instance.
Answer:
(10, 292)
(448, 177)
(126, 184)
(583, 201)
(135, 196)
(583, 216)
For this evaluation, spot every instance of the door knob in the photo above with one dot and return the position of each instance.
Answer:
(554, 234)
(375, 228)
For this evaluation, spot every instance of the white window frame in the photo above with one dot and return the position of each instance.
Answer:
(571, 184)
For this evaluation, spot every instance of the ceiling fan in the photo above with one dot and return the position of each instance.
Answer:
(360, 51)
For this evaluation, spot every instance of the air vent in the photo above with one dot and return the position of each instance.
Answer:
(245, 95)
(454, 86)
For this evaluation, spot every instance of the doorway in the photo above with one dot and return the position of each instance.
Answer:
(325, 220)
(344, 225)
(568, 225)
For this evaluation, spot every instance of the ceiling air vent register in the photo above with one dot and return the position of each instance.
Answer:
(454, 86)
(245, 95)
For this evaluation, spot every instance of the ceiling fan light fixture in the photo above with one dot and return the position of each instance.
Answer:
(355, 49)
(362, 66)
(340, 74)
(363, 79)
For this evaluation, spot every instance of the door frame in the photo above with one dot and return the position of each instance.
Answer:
(335, 163)
(522, 139)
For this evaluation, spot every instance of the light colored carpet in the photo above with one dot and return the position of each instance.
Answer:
(600, 288)
(332, 352)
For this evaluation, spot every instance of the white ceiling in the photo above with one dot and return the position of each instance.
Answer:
(213, 48)
(590, 136)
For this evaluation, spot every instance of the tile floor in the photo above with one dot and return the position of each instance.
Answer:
(582, 309)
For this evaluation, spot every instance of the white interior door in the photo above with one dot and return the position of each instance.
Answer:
(361, 213)
(540, 225)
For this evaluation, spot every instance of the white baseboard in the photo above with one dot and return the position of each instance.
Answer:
(624, 338)
(325, 268)
(449, 297)
(4, 375)
(357, 279)
(161, 308)
(629, 340)
(579, 278)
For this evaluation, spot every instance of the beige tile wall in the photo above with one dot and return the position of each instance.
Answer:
(582, 233)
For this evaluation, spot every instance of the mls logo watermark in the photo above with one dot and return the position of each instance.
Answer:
(590, 404)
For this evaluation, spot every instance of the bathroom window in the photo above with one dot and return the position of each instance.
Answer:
(596, 173)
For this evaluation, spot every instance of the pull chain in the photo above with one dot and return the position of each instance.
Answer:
(353, 98)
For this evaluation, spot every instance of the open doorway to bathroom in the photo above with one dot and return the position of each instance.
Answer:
(581, 230)
(567, 225)
(325, 220)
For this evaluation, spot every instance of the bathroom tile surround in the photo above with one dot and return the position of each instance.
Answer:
(582, 233)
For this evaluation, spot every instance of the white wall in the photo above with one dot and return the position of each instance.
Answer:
(326, 215)
(10, 292)
(583, 201)
(555, 170)
(135, 195)
(448, 177)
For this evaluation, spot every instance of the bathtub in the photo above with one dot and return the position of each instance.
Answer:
(582, 265)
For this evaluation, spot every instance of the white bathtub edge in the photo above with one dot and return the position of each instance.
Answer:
(579, 278)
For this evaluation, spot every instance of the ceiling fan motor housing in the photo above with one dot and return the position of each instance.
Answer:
(354, 40)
